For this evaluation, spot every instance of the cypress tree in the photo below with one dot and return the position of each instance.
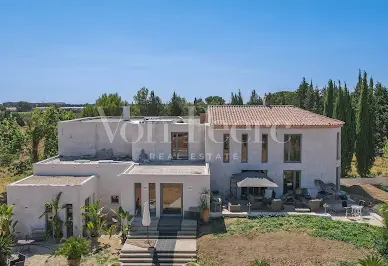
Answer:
(301, 93)
(364, 139)
(372, 131)
(329, 99)
(339, 111)
(310, 97)
(347, 131)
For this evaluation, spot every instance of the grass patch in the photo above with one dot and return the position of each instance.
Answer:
(379, 168)
(360, 235)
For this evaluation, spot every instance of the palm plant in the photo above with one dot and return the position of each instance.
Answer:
(73, 249)
(94, 219)
(7, 225)
(55, 224)
(5, 248)
(371, 261)
(124, 222)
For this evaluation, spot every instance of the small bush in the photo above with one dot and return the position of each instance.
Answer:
(371, 261)
(74, 248)
(260, 263)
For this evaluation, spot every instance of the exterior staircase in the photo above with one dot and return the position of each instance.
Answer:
(175, 242)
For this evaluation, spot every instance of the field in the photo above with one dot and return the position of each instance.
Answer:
(380, 167)
(290, 240)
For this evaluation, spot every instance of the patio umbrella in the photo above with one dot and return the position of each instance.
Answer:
(146, 221)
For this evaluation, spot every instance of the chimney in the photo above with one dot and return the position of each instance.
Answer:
(126, 113)
(266, 101)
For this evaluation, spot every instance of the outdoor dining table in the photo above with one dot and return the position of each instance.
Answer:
(356, 210)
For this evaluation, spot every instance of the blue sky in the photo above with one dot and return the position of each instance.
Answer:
(74, 51)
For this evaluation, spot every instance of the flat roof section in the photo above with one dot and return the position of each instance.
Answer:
(53, 180)
(169, 169)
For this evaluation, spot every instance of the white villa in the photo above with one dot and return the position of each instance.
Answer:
(167, 161)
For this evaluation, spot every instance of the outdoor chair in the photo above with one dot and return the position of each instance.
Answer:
(346, 207)
(234, 207)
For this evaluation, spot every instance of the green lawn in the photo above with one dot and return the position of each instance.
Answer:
(360, 235)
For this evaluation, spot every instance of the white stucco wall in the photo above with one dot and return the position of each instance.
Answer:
(85, 138)
(30, 202)
(318, 156)
(192, 187)
(108, 181)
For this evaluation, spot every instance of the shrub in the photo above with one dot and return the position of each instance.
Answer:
(74, 248)
(5, 248)
(371, 261)
(94, 218)
(7, 224)
(260, 263)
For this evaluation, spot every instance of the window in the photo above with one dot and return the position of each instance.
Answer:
(180, 145)
(291, 181)
(337, 177)
(244, 148)
(152, 198)
(114, 199)
(338, 146)
(138, 199)
(226, 148)
(292, 148)
(264, 148)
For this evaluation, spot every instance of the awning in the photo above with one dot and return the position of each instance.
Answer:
(253, 179)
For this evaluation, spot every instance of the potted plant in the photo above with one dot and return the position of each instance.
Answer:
(73, 249)
(94, 220)
(204, 207)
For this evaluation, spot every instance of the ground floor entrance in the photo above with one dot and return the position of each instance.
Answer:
(171, 198)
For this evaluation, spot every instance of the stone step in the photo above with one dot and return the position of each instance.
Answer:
(136, 260)
(153, 264)
(192, 255)
(163, 232)
(174, 260)
(162, 237)
(135, 255)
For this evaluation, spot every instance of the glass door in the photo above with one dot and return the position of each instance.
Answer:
(138, 199)
(171, 203)
(291, 181)
(69, 220)
(152, 198)
(180, 146)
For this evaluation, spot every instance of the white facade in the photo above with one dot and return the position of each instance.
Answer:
(109, 150)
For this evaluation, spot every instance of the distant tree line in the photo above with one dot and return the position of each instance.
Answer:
(364, 111)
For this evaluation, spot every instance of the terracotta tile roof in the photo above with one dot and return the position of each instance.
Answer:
(267, 116)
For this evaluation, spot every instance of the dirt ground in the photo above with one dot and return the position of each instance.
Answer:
(278, 248)
(367, 192)
(109, 254)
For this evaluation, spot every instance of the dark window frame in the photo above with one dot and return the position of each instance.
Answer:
(113, 200)
(262, 148)
(294, 179)
(338, 153)
(288, 144)
(244, 142)
(226, 147)
(176, 151)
